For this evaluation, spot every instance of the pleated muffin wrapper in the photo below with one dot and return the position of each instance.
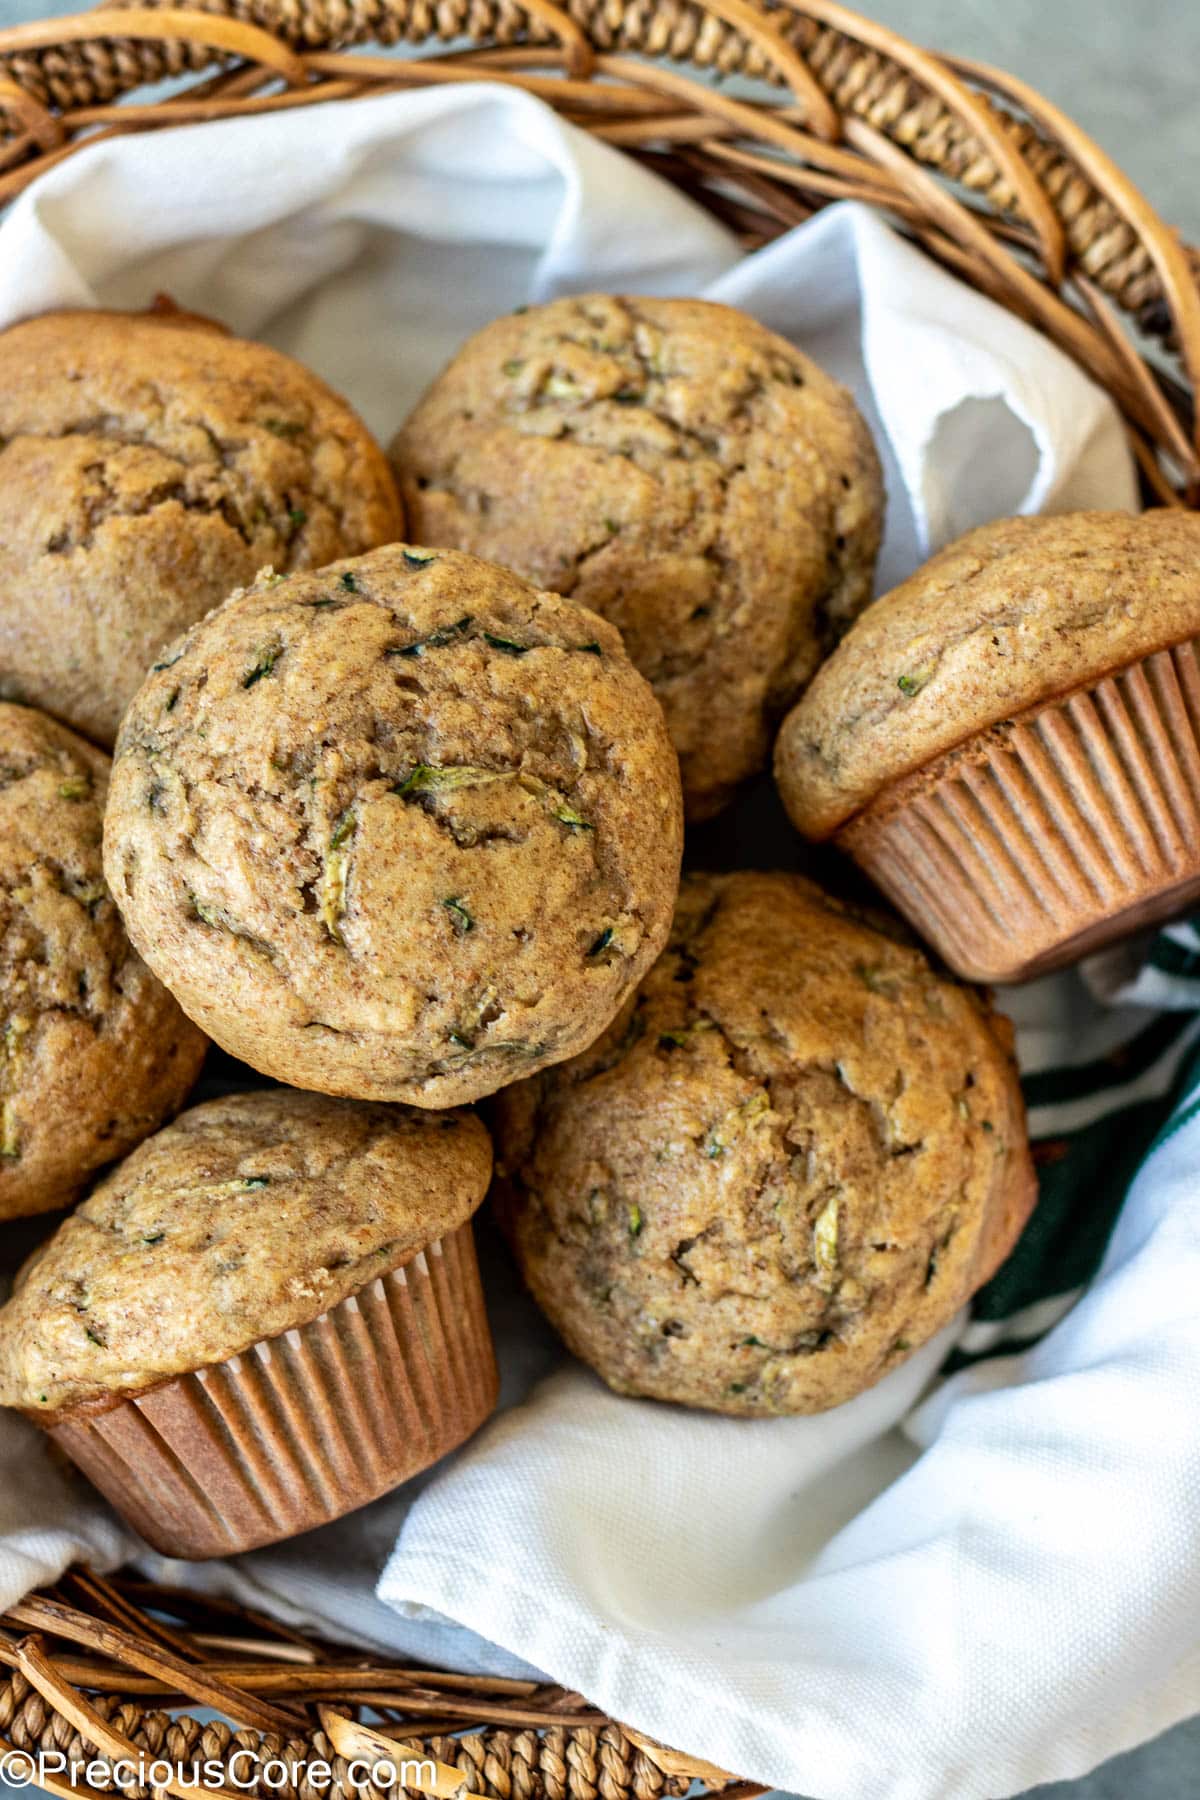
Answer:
(304, 1427)
(1052, 834)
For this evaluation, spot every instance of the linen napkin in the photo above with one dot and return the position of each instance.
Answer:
(997, 1588)
(955, 1597)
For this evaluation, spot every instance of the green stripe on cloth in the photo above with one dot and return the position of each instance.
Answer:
(1082, 1181)
(1083, 1176)
(1173, 959)
(1186, 1107)
(964, 1359)
(1051, 1087)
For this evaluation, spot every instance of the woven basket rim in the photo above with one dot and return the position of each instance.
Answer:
(95, 1663)
(973, 165)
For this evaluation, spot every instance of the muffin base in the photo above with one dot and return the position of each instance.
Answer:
(301, 1428)
(1055, 833)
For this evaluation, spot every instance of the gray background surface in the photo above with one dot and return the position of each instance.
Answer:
(1126, 71)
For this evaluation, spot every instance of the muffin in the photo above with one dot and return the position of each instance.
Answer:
(682, 470)
(788, 1163)
(1009, 743)
(266, 1316)
(149, 463)
(95, 1053)
(404, 829)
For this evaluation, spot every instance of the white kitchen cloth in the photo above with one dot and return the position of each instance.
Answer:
(1001, 1592)
(957, 1602)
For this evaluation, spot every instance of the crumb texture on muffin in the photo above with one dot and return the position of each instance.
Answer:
(249, 1216)
(788, 1163)
(682, 470)
(402, 829)
(148, 465)
(95, 1053)
(1011, 615)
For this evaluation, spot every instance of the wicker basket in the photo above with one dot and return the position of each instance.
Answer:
(994, 183)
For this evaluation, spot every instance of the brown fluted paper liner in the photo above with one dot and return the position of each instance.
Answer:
(304, 1427)
(1047, 837)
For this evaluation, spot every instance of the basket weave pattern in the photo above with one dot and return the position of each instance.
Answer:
(93, 1670)
(990, 180)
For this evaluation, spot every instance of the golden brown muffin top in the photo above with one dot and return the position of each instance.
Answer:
(405, 828)
(94, 1052)
(149, 463)
(249, 1216)
(682, 470)
(787, 1163)
(1010, 615)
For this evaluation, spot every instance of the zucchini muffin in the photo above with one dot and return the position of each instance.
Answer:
(149, 463)
(265, 1317)
(1009, 742)
(679, 468)
(404, 829)
(788, 1163)
(95, 1053)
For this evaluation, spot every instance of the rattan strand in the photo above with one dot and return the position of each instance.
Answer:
(97, 1668)
(557, 1764)
(860, 81)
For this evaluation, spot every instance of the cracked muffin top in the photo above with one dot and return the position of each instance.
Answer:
(94, 1053)
(1011, 615)
(150, 463)
(682, 470)
(249, 1216)
(403, 829)
(789, 1161)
